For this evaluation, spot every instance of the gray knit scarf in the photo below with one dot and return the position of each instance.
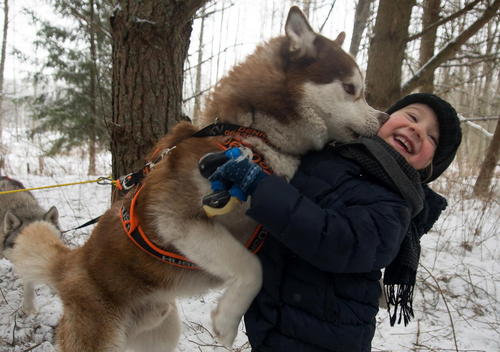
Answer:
(379, 160)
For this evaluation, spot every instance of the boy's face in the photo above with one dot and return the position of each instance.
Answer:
(414, 132)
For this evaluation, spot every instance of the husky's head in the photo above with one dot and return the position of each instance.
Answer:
(13, 224)
(328, 81)
(301, 89)
(9, 184)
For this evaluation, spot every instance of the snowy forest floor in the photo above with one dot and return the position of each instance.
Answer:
(456, 300)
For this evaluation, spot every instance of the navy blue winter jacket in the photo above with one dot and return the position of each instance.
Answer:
(332, 230)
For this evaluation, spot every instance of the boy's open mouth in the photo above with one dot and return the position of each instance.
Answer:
(405, 143)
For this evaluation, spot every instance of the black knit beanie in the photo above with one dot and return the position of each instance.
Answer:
(450, 134)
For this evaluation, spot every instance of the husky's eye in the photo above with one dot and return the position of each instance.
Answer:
(349, 88)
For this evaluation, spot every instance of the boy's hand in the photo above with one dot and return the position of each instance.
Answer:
(241, 172)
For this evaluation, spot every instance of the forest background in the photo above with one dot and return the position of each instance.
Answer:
(76, 77)
(62, 72)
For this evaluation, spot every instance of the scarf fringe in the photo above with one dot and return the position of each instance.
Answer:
(399, 296)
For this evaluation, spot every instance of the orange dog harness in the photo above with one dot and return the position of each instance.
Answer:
(129, 218)
(135, 233)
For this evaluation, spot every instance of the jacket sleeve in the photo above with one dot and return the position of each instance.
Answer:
(356, 236)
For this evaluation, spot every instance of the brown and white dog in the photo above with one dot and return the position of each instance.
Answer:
(302, 90)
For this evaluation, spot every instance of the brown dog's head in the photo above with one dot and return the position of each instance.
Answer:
(300, 77)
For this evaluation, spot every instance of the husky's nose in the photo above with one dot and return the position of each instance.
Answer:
(382, 117)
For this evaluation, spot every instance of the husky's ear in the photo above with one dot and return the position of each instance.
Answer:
(11, 222)
(52, 215)
(340, 38)
(301, 35)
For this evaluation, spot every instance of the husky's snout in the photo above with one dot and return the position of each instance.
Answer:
(373, 123)
(370, 125)
(382, 117)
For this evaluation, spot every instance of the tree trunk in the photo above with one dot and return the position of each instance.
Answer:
(2, 61)
(386, 52)
(483, 181)
(428, 41)
(150, 44)
(360, 22)
(93, 93)
(488, 69)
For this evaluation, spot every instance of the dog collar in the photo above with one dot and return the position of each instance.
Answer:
(228, 129)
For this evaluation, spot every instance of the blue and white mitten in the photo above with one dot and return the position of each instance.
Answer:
(240, 171)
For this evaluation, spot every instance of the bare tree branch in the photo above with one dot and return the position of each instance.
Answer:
(208, 59)
(475, 126)
(328, 16)
(485, 118)
(208, 14)
(479, 57)
(191, 6)
(95, 25)
(197, 94)
(450, 49)
(446, 305)
(444, 20)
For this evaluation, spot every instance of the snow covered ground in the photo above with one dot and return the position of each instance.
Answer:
(456, 300)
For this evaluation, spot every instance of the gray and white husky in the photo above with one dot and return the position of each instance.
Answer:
(16, 211)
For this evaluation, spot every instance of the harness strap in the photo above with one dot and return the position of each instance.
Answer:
(129, 219)
(139, 238)
(228, 129)
(124, 183)
(88, 223)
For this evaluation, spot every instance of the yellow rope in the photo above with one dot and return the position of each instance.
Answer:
(104, 180)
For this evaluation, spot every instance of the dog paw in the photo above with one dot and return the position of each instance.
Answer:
(225, 328)
(26, 311)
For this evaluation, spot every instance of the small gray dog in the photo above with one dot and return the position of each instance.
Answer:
(16, 211)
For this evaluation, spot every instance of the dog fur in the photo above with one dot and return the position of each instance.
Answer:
(16, 211)
(302, 90)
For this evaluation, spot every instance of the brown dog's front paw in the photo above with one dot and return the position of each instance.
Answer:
(225, 329)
